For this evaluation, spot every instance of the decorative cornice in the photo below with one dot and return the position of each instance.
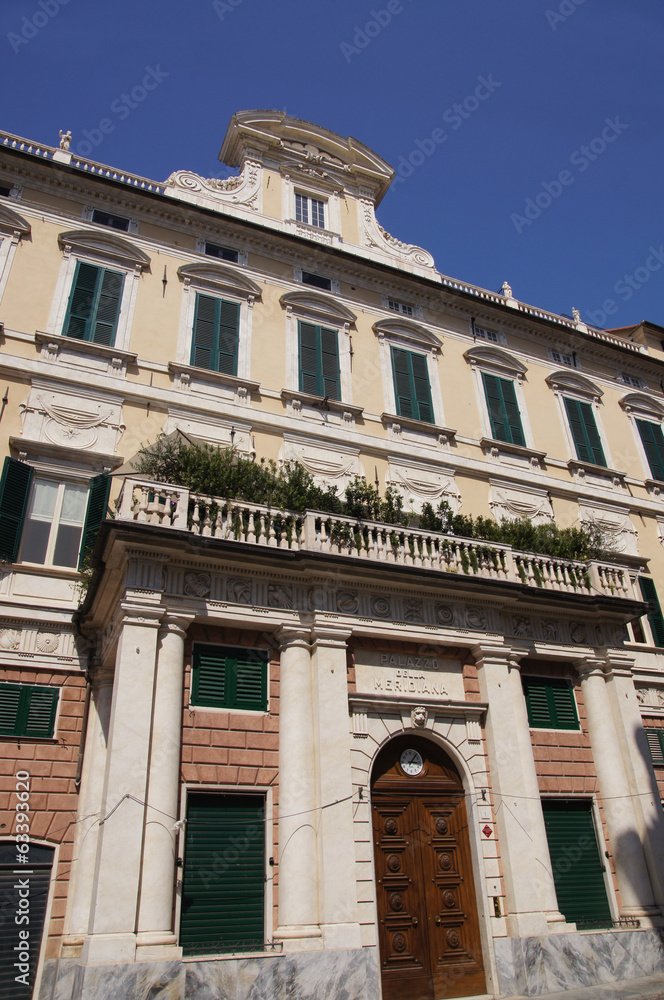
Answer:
(89, 241)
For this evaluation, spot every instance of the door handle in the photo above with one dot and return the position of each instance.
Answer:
(439, 921)
(415, 921)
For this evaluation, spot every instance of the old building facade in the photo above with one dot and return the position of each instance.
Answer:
(307, 756)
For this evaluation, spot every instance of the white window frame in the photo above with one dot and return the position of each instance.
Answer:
(90, 209)
(217, 279)
(494, 361)
(13, 227)
(100, 250)
(327, 194)
(639, 406)
(559, 356)
(408, 336)
(62, 482)
(242, 255)
(478, 331)
(315, 307)
(565, 382)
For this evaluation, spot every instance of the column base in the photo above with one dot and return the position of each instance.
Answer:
(103, 949)
(341, 936)
(299, 937)
(527, 924)
(556, 923)
(648, 916)
(157, 946)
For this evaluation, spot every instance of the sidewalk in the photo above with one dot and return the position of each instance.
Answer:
(650, 988)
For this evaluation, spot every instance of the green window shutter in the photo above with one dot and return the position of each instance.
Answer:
(503, 409)
(653, 444)
(655, 738)
(224, 677)
(202, 345)
(329, 364)
(14, 492)
(584, 431)
(100, 487)
(309, 359)
(649, 593)
(27, 710)
(550, 703)
(421, 388)
(223, 892)
(576, 862)
(215, 340)
(94, 304)
(411, 385)
(229, 317)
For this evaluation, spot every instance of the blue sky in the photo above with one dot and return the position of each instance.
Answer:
(547, 173)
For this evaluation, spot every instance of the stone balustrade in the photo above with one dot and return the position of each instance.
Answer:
(256, 524)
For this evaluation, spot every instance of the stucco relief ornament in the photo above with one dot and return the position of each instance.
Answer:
(414, 610)
(522, 626)
(376, 236)
(550, 630)
(444, 614)
(239, 591)
(650, 697)
(381, 606)
(578, 632)
(47, 642)
(65, 139)
(419, 717)
(10, 638)
(197, 584)
(240, 190)
(348, 602)
(475, 618)
(279, 597)
(66, 425)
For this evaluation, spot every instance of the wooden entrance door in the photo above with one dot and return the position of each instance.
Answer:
(427, 912)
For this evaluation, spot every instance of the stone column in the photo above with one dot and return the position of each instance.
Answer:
(336, 842)
(531, 897)
(298, 870)
(156, 938)
(631, 871)
(638, 764)
(113, 915)
(89, 813)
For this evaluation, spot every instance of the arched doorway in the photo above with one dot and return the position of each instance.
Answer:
(428, 924)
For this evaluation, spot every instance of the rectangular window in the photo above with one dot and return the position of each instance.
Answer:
(411, 385)
(653, 445)
(491, 335)
(632, 380)
(310, 211)
(223, 893)
(223, 253)
(94, 304)
(400, 307)
(4, 191)
(649, 593)
(655, 739)
(224, 677)
(53, 523)
(317, 280)
(550, 703)
(584, 431)
(114, 221)
(27, 710)
(563, 359)
(319, 361)
(215, 340)
(503, 409)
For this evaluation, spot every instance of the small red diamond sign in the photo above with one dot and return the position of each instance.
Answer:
(487, 831)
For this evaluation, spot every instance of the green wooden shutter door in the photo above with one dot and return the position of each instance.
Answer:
(329, 355)
(309, 337)
(421, 388)
(40, 711)
(229, 317)
(653, 444)
(655, 618)
(108, 307)
(403, 388)
(202, 344)
(226, 677)
(584, 431)
(550, 703)
(223, 889)
(10, 702)
(512, 415)
(81, 301)
(39, 867)
(577, 866)
(655, 738)
(208, 682)
(14, 492)
(250, 671)
(494, 402)
(100, 487)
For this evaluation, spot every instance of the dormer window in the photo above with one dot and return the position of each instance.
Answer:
(316, 280)
(309, 210)
(222, 253)
(114, 221)
(563, 359)
(400, 307)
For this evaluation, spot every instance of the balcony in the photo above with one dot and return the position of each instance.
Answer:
(257, 526)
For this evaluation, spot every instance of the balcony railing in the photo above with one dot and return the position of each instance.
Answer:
(256, 525)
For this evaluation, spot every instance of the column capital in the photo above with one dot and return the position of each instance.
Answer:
(494, 652)
(326, 634)
(145, 615)
(288, 636)
(174, 623)
(590, 666)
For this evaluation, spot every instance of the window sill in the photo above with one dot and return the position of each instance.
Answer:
(46, 740)
(88, 460)
(580, 469)
(52, 344)
(655, 487)
(321, 402)
(395, 422)
(189, 373)
(495, 446)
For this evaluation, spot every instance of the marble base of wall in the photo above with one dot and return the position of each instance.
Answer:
(323, 975)
(535, 965)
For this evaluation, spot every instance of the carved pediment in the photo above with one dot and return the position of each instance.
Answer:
(12, 222)
(493, 357)
(405, 330)
(644, 405)
(318, 306)
(96, 244)
(220, 278)
(564, 379)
